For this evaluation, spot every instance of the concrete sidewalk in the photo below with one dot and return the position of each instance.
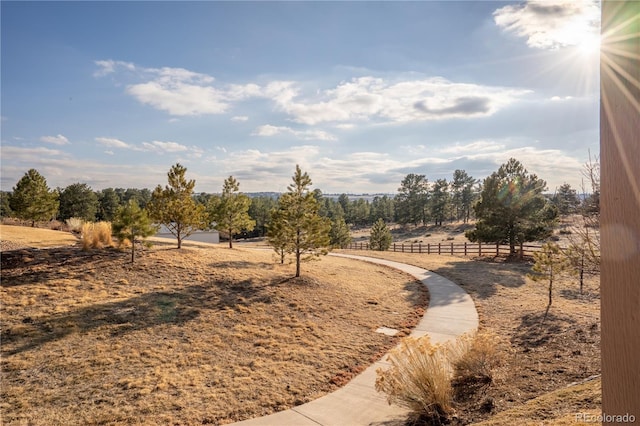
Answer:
(451, 313)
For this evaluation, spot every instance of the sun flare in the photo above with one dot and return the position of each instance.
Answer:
(589, 45)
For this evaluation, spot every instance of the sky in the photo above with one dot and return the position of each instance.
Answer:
(359, 94)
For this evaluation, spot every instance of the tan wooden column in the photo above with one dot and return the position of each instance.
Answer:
(620, 209)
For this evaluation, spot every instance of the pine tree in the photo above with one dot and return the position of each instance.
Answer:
(340, 234)
(411, 201)
(32, 200)
(439, 201)
(175, 208)
(512, 208)
(131, 222)
(380, 238)
(566, 200)
(463, 194)
(549, 263)
(78, 200)
(296, 224)
(230, 211)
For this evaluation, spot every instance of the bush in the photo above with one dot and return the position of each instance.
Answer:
(420, 376)
(96, 235)
(478, 364)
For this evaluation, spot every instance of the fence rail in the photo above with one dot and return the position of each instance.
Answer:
(460, 249)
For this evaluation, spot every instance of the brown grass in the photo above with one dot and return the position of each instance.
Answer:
(96, 235)
(191, 336)
(35, 237)
(543, 357)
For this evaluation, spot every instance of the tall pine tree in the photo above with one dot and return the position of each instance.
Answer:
(512, 208)
(296, 224)
(230, 211)
(32, 200)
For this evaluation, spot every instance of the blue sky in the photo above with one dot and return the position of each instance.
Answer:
(358, 93)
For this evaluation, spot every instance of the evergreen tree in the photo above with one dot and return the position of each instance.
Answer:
(463, 194)
(382, 208)
(32, 200)
(174, 206)
(78, 200)
(439, 202)
(566, 200)
(549, 263)
(131, 222)
(108, 204)
(411, 201)
(260, 211)
(380, 238)
(340, 234)
(280, 235)
(230, 211)
(5, 208)
(297, 224)
(512, 208)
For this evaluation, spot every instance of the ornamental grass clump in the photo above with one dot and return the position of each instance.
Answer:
(420, 376)
(96, 235)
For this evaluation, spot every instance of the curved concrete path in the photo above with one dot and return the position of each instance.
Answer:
(451, 313)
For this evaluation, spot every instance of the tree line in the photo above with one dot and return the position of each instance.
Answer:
(509, 206)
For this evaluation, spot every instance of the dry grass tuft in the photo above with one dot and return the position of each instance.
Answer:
(486, 353)
(420, 376)
(96, 235)
(74, 224)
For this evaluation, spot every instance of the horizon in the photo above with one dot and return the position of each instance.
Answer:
(359, 94)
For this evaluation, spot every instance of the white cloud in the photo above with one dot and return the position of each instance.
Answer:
(162, 147)
(561, 98)
(56, 140)
(109, 152)
(368, 98)
(109, 66)
(307, 135)
(551, 24)
(240, 118)
(475, 147)
(114, 143)
(181, 92)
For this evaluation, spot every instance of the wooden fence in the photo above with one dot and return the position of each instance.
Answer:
(459, 249)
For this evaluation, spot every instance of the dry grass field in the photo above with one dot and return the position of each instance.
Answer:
(544, 357)
(191, 336)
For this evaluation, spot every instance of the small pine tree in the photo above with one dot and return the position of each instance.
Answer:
(32, 200)
(130, 223)
(549, 263)
(380, 238)
(230, 211)
(339, 234)
(175, 208)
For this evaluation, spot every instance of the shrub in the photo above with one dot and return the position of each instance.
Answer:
(420, 376)
(75, 224)
(96, 235)
(478, 364)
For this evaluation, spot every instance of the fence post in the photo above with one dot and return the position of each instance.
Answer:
(419, 248)
(497, 249)
(451, 249)
(439, 252)
(411, 247)
(465, 248)
(479, 249)
(394, 247)
(403, 247)
(428, 248)
(521, 251)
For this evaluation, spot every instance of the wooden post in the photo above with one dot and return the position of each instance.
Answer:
(419, 248)
(451, 249)
(394, 247)
(411, 247)
(620, 207)
(479, 249)
(465, 248)
(439, 252)
(428, 248)
(497, 249)
(521, 251)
